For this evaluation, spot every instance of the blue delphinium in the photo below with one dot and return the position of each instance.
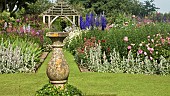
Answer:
(87, 21)
(97, 23)
(92, 20)
(81, 22)
(103, 22)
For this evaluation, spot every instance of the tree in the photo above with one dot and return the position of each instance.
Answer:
(38, 7)
(113, 7)
(14, 5)
(148, 7)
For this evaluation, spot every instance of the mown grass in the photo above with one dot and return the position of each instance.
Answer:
(120, 84)
(23, 84)
(99, 84)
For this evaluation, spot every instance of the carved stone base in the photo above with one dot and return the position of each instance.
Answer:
(59, 83)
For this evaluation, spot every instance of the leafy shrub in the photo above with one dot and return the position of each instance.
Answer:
(156, 46)
(51, 90)
(18, 56)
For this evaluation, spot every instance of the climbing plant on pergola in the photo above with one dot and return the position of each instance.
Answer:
(61, 9)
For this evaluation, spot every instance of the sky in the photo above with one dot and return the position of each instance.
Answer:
(164, 5)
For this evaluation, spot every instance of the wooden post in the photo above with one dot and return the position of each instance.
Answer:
(49, 22)
(74, 19)
(44, 19)
(78, 20)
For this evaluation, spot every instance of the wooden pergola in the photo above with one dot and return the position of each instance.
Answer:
(61, 9)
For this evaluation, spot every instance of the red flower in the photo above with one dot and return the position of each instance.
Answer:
(108, 49)
(103, 41)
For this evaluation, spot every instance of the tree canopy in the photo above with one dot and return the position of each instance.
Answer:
(13, 5)
(38, 7)
(111, 7)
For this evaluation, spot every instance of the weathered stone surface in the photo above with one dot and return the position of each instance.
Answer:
(58, 69)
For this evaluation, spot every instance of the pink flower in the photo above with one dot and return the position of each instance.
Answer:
(168, 38)
(99, 41)
(33, 32)
(18, 20)
(149, 37)
(140, 51)
(151, 49)
(129, 47)
(150, 58)
(84, 39)
(125, 39)
(163, 41)
(21, 30)
(26, 19)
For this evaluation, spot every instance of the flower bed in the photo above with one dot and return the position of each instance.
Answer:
(137, 52)
(18, 55)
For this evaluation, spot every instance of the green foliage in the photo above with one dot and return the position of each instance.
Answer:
(148, 8)
(38, 7)
(114, 38)
(5, 16)
(136, 35)
(51, 90)
(19, 55)
(123, 40)
(98, 62)
(11, 5)
(156, 46)
(19, 13)
(114, 7)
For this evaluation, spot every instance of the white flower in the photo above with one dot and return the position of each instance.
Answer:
(140, 44)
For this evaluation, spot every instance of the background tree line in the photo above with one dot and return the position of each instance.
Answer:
(29, 6)
(112, 7)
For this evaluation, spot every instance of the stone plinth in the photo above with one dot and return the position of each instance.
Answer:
(58, 69)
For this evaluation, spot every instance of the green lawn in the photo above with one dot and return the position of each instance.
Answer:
(103, 84)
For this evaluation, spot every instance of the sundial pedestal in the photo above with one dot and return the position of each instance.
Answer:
(57, 69)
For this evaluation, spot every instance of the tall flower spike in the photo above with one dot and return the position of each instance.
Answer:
(81, 22)
(97, 21)
(87, 21)
(103, 22)
(91, 20)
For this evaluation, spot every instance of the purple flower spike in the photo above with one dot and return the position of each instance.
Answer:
(92, 20)
(97, 21)
(81, 22)
(103, 22)
(87, 21)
